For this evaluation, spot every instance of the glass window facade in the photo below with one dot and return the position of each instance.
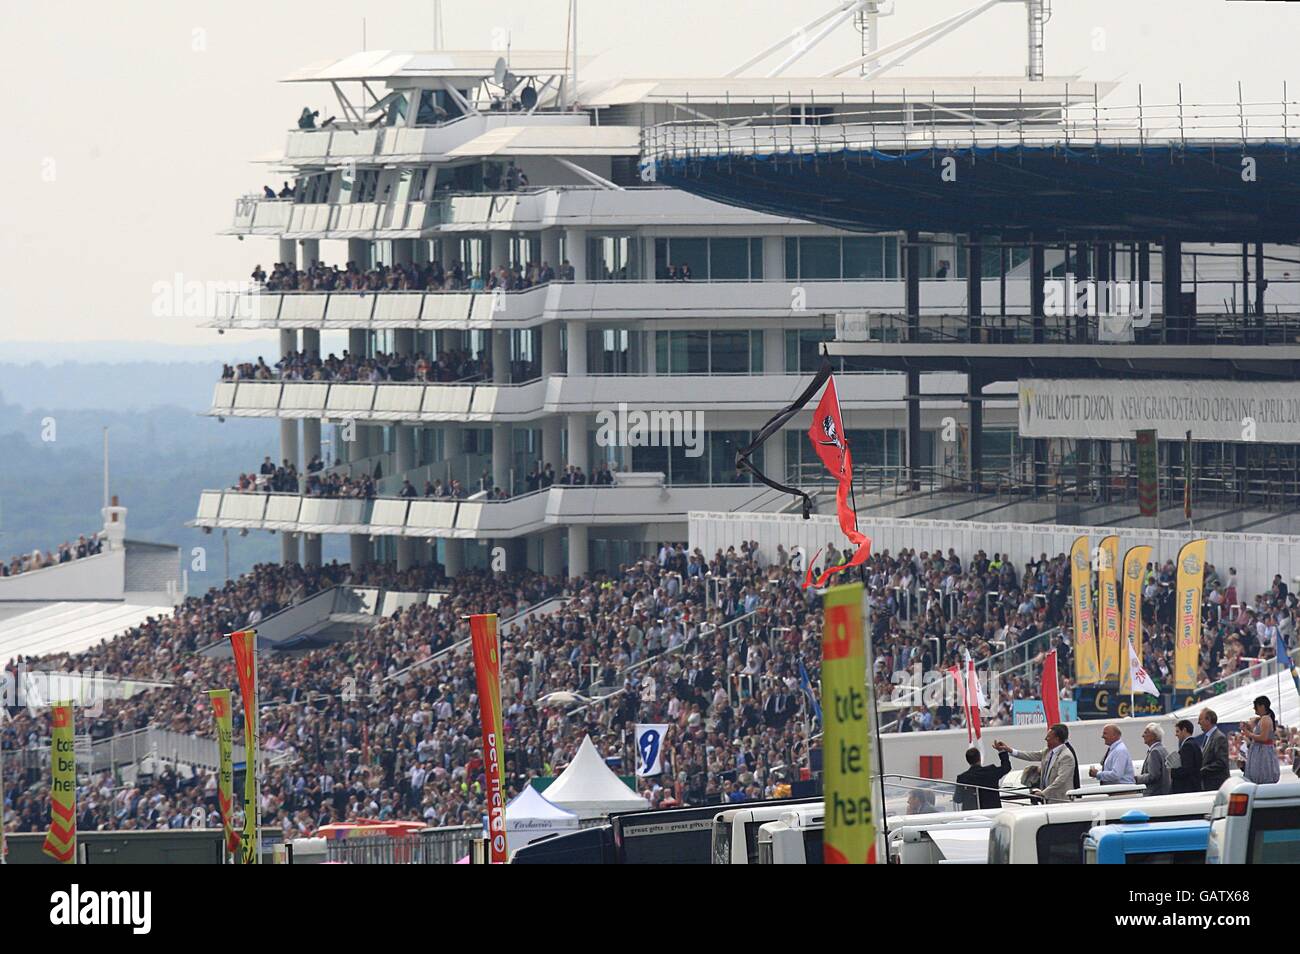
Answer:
(709, 352)
(834, 258)
(710, 259)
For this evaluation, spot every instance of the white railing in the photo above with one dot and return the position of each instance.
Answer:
(1077, 119)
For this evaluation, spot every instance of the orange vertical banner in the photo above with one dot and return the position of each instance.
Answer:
(1085, 632)
(244, 646)
(1135, 562)
(1108, 608)
(220, 699)
(487, 675)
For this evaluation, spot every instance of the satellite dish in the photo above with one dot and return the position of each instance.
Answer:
(500, 71)
(528, 98)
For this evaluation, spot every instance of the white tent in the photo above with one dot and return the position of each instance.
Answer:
(530, 815)
(1236, 705)
(590, 789)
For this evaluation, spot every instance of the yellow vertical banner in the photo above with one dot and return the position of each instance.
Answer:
(1187, 645)
(1108, 608)
(1134, 567)
(61, 839)
(850, 834)
(220, 699)
(1085, 633)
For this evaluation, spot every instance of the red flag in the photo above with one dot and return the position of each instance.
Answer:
(973, 700)
(1051, 691)
(832, 446)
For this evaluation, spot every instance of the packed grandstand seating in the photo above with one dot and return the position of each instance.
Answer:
(385, 726)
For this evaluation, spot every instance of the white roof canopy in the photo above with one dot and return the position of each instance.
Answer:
(552, 141)
(1236, 705)
(386, 65)
(589, 788)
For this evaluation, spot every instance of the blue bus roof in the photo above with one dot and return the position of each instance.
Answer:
(1187, 835)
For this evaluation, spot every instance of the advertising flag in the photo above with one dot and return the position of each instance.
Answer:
(244, 646)
(650, 749)
(61, 839)
(1187, 633)
(1051, 689)
(487, 674)
(1142, 681)
(1148, 473)
(850, 833)
(1108, 608)
(831, 444)
(1085, 634)
(1135, 562)
(220, 699)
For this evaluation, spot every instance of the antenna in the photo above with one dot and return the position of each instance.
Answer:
(105, 467)
(438, 36)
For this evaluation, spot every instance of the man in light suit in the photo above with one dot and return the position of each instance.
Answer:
(1155, 768)
(1058, 764)
(1214, 752)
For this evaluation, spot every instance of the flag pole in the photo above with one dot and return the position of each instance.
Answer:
(252, 758)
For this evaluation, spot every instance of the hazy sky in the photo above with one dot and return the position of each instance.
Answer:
(132, 125)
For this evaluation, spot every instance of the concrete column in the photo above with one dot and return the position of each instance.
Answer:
(311, 549)
(774, 460)
(974, 286)
(575, 248)
(454, 560)
(289, 548)
(359, 252)
(552, 553)
(357, 341)
(773, 258)
(912, 263)
(403, 251)
(774, 351)
(308, 253)
(311, 341)
(577, 455)
(289, 443)
(498, 249)
(576, 334)
(311, 444)
(578, 542)
(405, 439)
(551, 248)
(500, 357)
(358, 550)
(1171, 277)
(551, 449)
(1037, 293)
(404, 341)
(288, 251)
(551, 349)
(288, 341)
(502, 455)
(976, 434)
(405, 553)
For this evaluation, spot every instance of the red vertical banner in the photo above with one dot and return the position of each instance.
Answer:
(487, 675)
(1051, 690)
(244, 645)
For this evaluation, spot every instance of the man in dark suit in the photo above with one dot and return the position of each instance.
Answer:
(1214, 752)
(1186, 776)
(977, 787)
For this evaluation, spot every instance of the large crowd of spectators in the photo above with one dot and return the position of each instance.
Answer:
(386, 725)
(424, 277)
(65, 552)
(446, 366)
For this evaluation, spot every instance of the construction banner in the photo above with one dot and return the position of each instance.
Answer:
(61, 840)
(850, 834)
(220, 699)
(1135, 564)
(1085, 633)
(244, 646)
(1148, 473)
(487, 675)
(1108, 609)
(1187, 634)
